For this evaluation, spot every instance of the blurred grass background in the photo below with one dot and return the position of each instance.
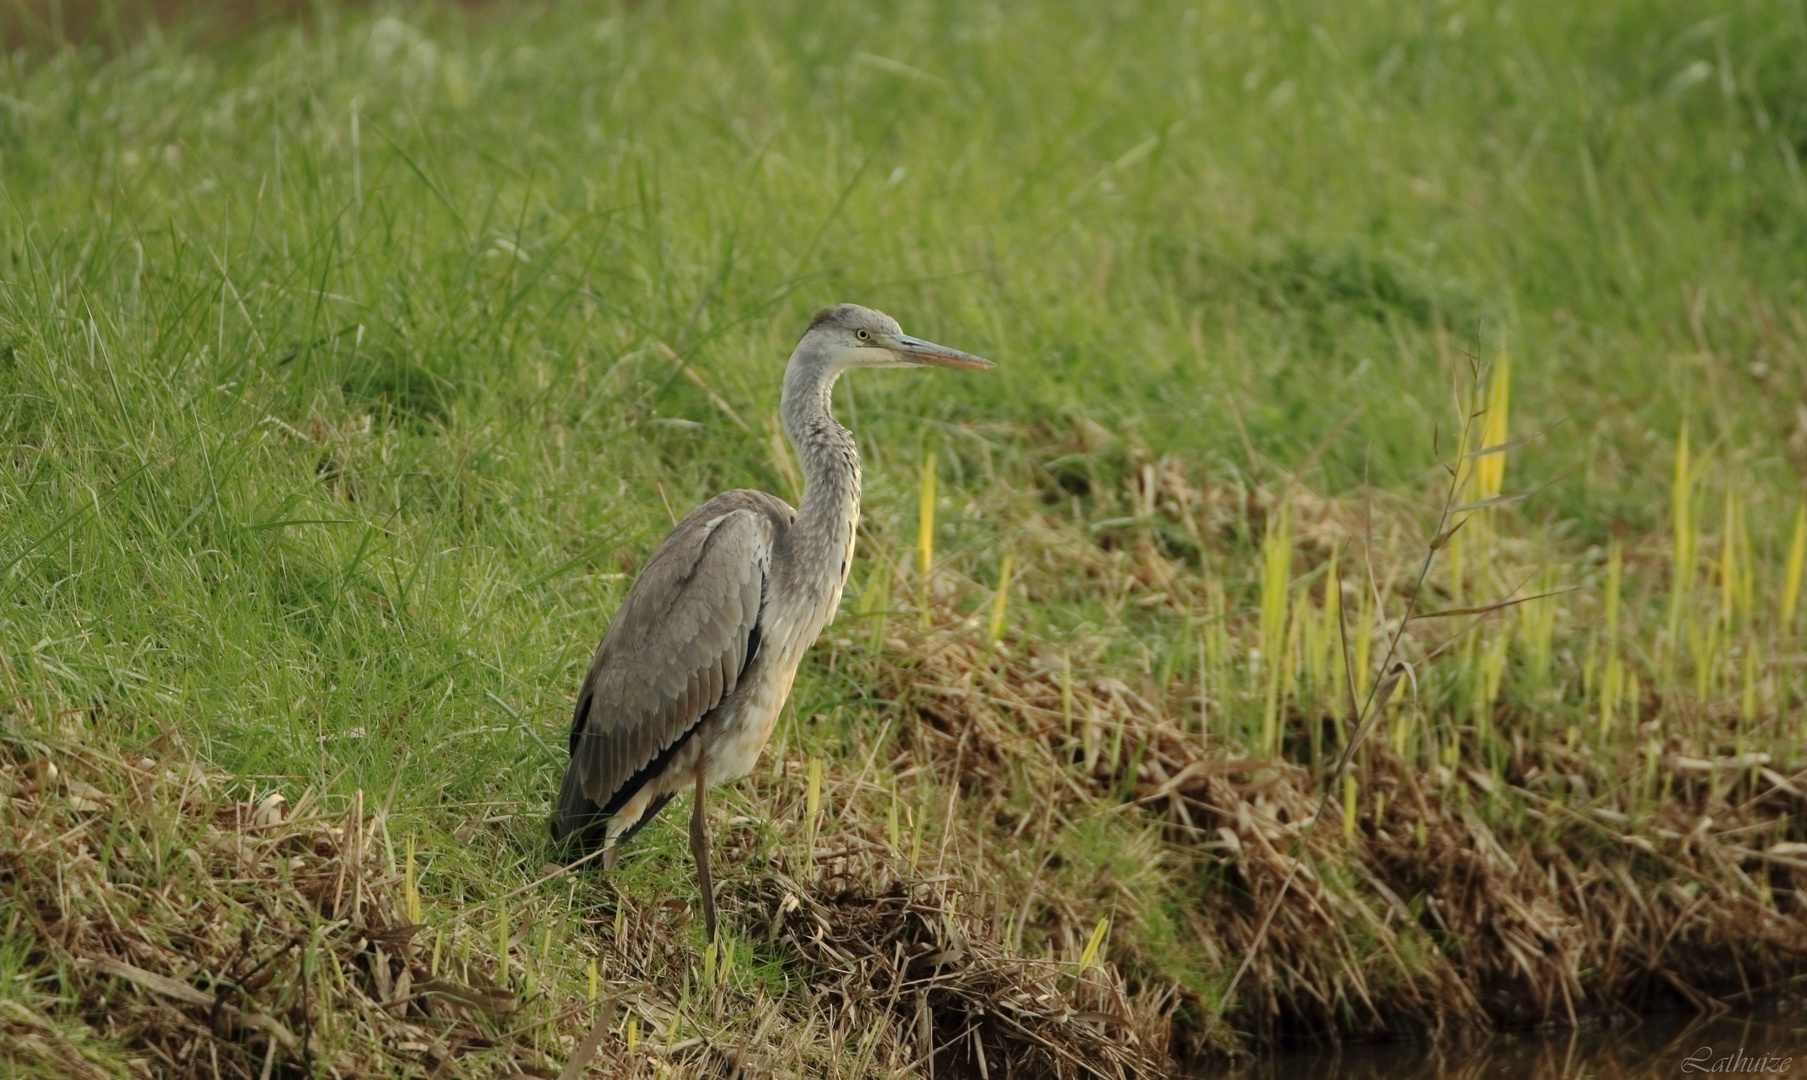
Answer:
(451, 243)
(340, 393)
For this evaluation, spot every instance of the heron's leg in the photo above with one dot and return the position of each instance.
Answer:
(699, 849)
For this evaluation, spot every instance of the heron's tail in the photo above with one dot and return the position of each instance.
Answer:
(578, 825)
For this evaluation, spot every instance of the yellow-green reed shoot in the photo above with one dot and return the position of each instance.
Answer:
(1466, 457)
(1681, 507)
(411, 894)
(1217, 652)
(1000, 601)
(1295, 648)
(875, 600)
(502, 939)
(633, 1033)
(1300, 644)
(1466, 666)
(1613, 683)
(925, 508)
(1333, 636)
(1537, 629)
(1311, 647)
(1747, 704)
(334, 969)
(925, 537)
(1351, 790)
(620, 920)
(1490, 470)
(1494, 668)
(1364, 644)
(1611, 689)
(1333, 586)
(1276, 570)
(813, 800)
(1728, 560)
(433, 966)
(324, 1021)
(595, 980)
(710, 963)
(871, 596)
(1615, 574)
(1747, 569)
(1093, 943)
(1703, 647)
(1493, 673)
(1797, 560)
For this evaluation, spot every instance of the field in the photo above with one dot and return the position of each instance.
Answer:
(1419, 381)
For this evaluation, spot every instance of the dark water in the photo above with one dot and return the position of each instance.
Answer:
(1667, 1045)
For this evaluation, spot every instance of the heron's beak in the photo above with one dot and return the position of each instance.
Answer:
(917, 351)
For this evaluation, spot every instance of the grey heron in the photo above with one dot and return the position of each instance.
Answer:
(695, 668)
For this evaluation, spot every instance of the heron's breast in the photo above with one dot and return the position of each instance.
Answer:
(734, 747)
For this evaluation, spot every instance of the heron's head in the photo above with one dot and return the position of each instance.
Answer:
(850, 336)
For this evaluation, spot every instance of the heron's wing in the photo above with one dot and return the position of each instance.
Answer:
(685, 635)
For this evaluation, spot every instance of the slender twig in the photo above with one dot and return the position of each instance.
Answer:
(1378, 695)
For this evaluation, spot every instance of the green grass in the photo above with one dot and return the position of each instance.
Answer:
(337, 407)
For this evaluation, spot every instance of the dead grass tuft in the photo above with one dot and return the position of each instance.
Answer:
(198, 934)
(943, 991)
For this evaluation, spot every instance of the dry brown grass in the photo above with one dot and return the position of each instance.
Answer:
(222, 936)
(199, 934)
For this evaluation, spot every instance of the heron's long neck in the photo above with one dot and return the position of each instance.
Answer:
(823, 532)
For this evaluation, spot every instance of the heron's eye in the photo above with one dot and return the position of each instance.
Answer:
(862, 334)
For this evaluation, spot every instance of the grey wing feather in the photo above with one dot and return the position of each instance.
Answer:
(680, 642)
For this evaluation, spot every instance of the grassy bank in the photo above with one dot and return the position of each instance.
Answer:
(352, 366)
